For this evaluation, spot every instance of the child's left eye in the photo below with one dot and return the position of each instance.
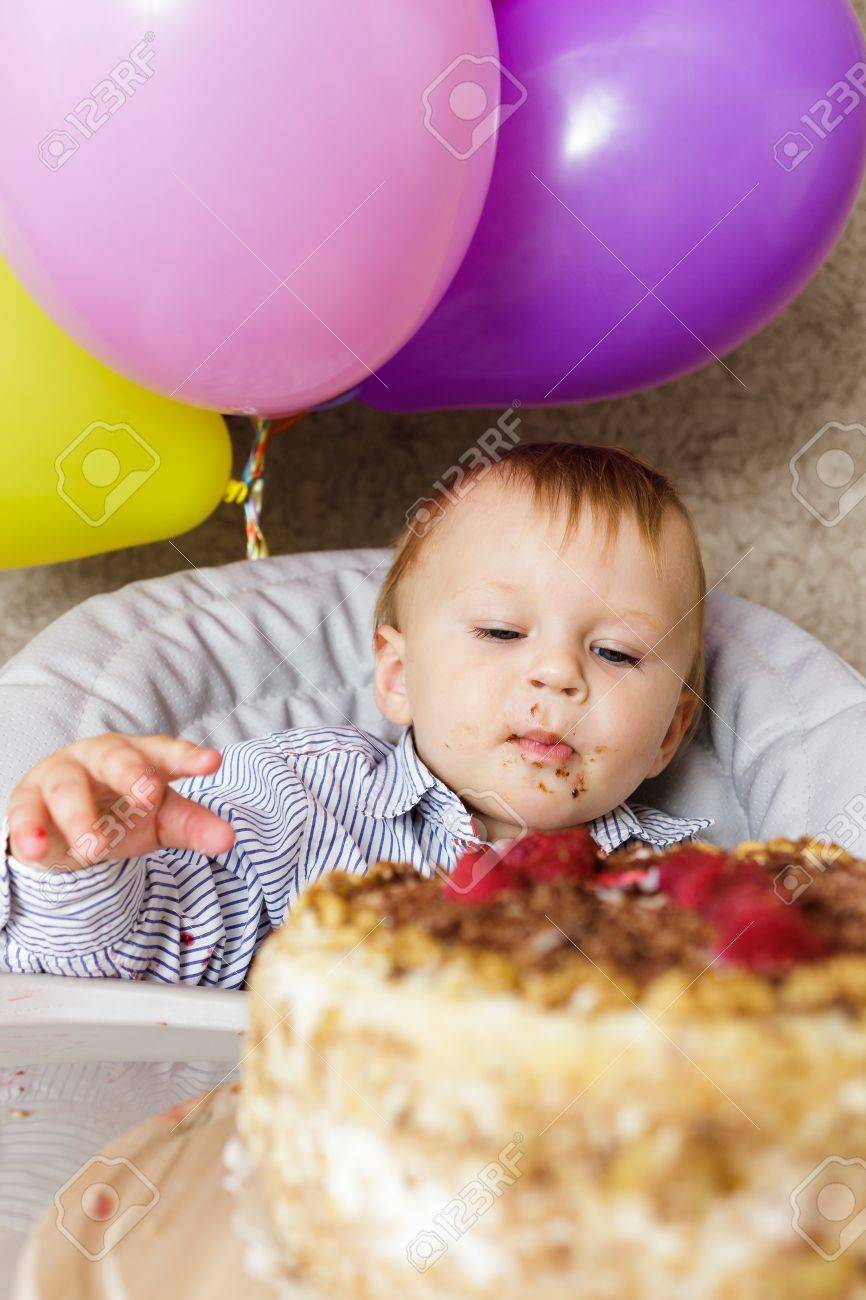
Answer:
(495, 633)
(616, 656)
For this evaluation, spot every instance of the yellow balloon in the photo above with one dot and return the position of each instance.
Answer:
(90, 462)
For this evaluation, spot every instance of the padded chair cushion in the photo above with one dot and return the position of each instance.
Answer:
(225, 654)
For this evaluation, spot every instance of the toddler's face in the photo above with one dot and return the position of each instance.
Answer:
(505, 636)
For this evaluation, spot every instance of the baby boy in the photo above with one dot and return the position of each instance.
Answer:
(538, 640)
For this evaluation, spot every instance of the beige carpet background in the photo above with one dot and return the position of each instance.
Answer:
(344, 478)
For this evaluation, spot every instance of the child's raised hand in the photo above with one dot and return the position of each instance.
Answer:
(108, 797)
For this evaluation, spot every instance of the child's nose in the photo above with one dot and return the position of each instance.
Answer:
(559, 672)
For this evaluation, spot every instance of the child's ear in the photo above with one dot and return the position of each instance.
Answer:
(389, 681)
(683, 715)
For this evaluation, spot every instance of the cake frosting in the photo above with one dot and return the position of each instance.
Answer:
(567, 1075)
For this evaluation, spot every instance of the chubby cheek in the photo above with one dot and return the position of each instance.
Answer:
(633, 732)
(634, 729)
(454, 708)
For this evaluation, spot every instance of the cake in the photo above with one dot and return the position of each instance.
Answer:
(564, 1075)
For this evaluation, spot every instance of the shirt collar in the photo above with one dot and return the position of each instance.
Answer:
(636, 821)
(401, 780)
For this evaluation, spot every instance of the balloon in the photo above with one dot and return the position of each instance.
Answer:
(677, 173)
(241, 205)
(339, 400)
(92, 462)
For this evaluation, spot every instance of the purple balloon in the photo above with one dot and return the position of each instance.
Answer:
(670, 175)
(339, 400)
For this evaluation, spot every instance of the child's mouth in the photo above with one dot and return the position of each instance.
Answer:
(544, 747)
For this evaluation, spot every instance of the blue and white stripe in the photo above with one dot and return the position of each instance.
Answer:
(301, 802)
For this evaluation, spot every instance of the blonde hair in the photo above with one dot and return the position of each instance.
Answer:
(562, 476)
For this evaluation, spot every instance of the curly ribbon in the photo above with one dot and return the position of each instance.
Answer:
(248, 490)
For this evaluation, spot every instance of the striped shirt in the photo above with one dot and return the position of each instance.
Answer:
(301, 802)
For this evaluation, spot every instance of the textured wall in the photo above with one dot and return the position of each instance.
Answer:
(344, 477)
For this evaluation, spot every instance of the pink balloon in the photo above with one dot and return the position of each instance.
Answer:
(249, 207)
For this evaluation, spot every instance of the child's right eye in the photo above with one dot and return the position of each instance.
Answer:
(495, 633)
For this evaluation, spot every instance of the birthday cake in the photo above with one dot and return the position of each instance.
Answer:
(563, 1075)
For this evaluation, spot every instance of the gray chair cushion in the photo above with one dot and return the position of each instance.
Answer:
(229, 653)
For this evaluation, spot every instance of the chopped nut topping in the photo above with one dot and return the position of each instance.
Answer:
(561, 942)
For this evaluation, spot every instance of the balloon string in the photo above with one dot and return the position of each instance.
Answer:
(249, 489)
